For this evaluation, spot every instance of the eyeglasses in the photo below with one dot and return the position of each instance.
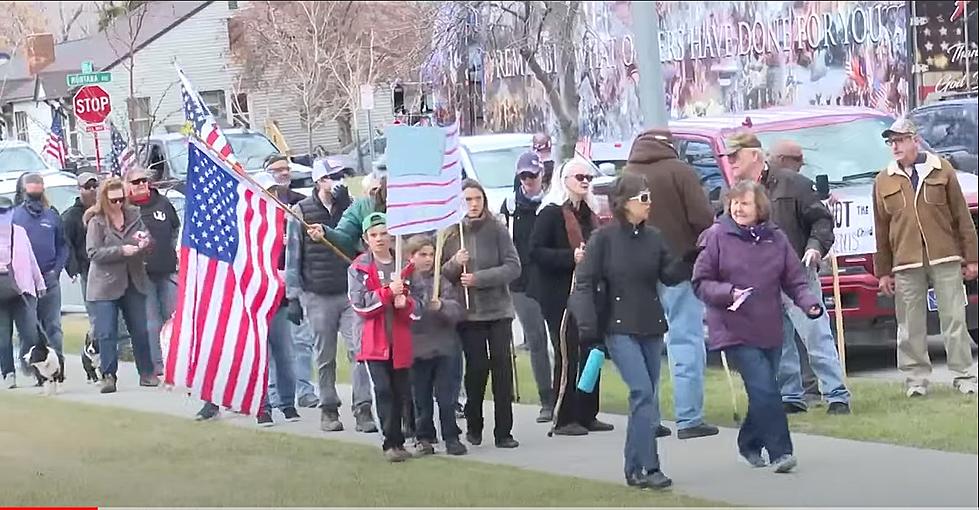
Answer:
(90, 186)
(526, 176)
(117, 200)
(139, 181)
(642, 197)
(583, 177)
(894, 141)
(734, 155)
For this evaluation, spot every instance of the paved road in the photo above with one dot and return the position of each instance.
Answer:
(832, 472)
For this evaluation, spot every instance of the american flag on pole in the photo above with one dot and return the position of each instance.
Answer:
(123, 157)
(202, 121)
(55, 146)
(229, 287)
(424, 202)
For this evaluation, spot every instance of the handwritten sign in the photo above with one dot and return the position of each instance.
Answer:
(854, 226)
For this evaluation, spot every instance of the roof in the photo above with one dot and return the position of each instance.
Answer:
(105, 49)
(773, 118)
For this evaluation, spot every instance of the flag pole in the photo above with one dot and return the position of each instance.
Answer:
(439, 245)
(285, 208)
(462, 245)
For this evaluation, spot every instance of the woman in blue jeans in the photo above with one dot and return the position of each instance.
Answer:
(615, 298)
(745, 264)
(117, 243)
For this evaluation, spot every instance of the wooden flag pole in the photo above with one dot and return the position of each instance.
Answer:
(838, 311)
(462, 246)
(397, 254)
(439, 245)
(285, 208)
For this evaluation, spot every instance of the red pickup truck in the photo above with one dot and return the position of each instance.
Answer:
(843, 143)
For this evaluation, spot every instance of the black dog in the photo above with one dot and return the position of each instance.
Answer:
(90, 359)
(48, 364)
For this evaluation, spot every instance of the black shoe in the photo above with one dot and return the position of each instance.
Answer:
(290, 413)
(364, 421)
(702, 430)
(507, 442)
(264, 419)
(571, 429)
(599, 426)
(838, 408)
(208, 412)
(793, 408)
(455, 447)
(474, 438)
(663, 431)
(546, 415)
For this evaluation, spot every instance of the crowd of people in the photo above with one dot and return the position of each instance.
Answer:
(425, 335)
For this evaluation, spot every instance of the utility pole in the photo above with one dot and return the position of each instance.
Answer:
(652, 96)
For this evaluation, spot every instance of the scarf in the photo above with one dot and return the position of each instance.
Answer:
(572, 225)
(754, 233)
(35, 207)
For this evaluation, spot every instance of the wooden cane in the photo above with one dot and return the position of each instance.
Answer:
(730, 385)
(563, 345)
(838, 312)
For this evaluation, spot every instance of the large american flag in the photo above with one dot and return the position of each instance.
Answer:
(203, 123)
(55, 146)
(229, 286)
(123, 157)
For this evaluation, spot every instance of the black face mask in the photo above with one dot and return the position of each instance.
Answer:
(36, 197)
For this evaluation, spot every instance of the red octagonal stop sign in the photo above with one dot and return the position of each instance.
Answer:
(91, 104)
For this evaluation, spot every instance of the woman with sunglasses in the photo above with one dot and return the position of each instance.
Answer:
(117, 243)
(617, 308)
(564, 224)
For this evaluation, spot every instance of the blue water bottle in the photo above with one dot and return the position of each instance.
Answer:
(593, 367)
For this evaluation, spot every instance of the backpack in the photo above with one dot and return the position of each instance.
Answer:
(8, 284)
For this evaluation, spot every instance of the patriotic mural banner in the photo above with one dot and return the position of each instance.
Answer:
(425, 186)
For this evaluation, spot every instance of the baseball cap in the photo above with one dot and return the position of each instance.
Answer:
(325, 167)
(373, 220)
(740, 140)
(902, 126)
(529, 162)
(84, 177)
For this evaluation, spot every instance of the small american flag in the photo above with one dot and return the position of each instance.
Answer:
(55, 146)
(123, 156)
(228, 287)
(203, 123)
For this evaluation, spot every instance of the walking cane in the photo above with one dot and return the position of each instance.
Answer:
(513, 362)
(730, 385)
(563, 345)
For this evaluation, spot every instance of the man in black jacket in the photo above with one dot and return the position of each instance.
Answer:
(808, 224)
(88, 186)
(520, 211)
(163, 224)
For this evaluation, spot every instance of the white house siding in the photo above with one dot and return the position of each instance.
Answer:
(38, 123)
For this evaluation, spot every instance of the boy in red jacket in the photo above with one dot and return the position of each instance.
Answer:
(379, 296)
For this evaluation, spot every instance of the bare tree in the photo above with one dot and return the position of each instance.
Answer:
(68, 21)
(17, 21)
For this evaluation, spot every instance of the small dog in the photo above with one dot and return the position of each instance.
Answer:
(91, 361)
(48, 364)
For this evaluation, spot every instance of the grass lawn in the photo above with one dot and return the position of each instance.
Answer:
(56, 452)
(945, 420)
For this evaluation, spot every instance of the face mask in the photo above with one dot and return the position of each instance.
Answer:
(34, 196)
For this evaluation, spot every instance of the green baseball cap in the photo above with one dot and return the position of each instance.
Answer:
(372, 220)
(741, 140)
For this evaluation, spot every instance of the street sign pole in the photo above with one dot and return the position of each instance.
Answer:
(367, 103)
(98, 154)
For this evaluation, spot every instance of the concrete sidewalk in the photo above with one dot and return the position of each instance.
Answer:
(831, 472)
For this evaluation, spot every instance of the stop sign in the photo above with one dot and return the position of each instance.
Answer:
(91, 104)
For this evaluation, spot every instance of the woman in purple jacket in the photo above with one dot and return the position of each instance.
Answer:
(745, 264)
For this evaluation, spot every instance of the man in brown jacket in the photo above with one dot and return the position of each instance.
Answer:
(681, 211)
(924, 233)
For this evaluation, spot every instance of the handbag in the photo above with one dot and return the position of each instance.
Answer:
(8, 284)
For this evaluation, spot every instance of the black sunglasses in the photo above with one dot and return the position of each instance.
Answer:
(138, 181)
(584, 177)
(117, 200)
(524, 176)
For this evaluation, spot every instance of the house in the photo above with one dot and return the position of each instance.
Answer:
(139, 51)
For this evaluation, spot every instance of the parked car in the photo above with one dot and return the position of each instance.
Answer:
(166, 156)
(844, 144)
(61, 189)
(18, 156)
(355, 157)
(951, 128)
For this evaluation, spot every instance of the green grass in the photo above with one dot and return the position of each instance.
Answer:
(945, 420)
(56, 452)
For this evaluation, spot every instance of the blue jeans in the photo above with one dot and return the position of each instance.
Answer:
(159, 307)
(765, 425)
(687, 352)
(434, 378)
(303, 341)
(817, 335)
(132, 304)
(280, 363)
(49, 312)
(21, 311)
(638, 362)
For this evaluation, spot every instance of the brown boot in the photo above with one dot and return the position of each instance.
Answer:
(108, 384)
(149, 381)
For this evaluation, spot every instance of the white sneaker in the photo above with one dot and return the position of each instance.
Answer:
(966, 387)
(10, 380)
(917, 391)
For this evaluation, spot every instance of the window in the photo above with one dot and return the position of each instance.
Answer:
(20, 126)
(235, 33)
(232, 5)
(73, 141)
(141, 119)
(948, 129)
(214, 99)
(700, 155)
(239, 111)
